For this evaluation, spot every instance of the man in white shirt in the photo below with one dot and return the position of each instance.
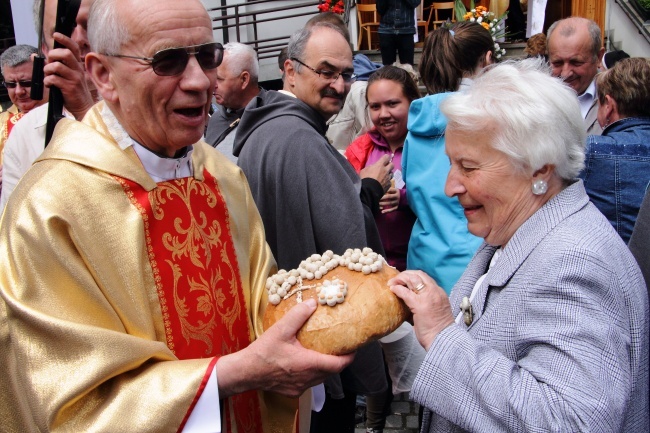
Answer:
(65, 70)
(575, 51)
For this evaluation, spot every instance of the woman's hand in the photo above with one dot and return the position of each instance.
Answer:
(427, 301)
(390, 201)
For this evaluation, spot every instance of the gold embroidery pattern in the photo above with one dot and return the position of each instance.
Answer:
(198, 235)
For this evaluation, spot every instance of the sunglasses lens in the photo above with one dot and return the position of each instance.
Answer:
(10, 85)
(170, 62)
(174, 60)
(209, 56)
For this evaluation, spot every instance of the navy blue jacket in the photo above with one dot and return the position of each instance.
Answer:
(397, 16)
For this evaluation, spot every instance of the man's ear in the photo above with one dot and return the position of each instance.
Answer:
(245, 78)
(289, 73)
(601, 53)
(98, 70)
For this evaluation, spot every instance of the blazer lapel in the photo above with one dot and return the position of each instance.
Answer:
(477, 267)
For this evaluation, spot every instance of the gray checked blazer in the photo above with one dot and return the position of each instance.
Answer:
(559, 341)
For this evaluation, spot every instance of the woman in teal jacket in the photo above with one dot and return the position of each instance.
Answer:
(440, 243)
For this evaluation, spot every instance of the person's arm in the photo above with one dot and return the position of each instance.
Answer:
(413, 3)
(65, 70)
(382, 6)
(371, 193)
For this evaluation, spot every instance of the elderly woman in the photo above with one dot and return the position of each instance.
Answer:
(547, 329)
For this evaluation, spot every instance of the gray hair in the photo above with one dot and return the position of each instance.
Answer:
(536, 117)
(16, 56)
(242, 57)
(36, 14)
(569, 26)
(106, 31)
(298, 41)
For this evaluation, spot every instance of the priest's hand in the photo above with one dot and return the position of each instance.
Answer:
(277, 361)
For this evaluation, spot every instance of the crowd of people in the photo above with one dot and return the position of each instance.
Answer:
(137, 243)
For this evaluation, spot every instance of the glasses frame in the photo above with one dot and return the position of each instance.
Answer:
(13, 84)
(352, 77)
(189, 50)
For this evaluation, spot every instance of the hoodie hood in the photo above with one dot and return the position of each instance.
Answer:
(425, 118)
(363, 67)
(268, 106)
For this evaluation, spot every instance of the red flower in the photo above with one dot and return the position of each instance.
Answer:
(327, 6)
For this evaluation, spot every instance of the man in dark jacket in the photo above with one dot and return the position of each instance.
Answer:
(306, 191)
(237, 84)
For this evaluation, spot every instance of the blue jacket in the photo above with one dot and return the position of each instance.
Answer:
(617, 171)
(397, 16)
(440, 244)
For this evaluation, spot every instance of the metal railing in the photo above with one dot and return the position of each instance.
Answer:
(235, 17)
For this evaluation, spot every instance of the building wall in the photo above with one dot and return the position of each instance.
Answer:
(623, 34)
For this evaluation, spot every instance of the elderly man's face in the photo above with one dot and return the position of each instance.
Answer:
(496, 198)
(572, 58)
(163, 113)
(19, 95)
(229, 85)
(325, 50)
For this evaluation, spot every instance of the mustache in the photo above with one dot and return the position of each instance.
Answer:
(329, 92)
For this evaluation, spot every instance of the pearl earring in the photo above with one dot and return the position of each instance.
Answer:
(539, 187)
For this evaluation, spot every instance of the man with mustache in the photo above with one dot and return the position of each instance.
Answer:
(306, 191)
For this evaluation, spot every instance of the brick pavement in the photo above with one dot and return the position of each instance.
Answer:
(403, 417)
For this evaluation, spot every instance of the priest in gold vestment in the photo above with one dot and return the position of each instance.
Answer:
(134, 259)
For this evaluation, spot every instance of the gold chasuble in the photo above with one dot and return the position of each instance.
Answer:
(119, 294)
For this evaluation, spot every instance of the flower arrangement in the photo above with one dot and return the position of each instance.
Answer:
(332, 6)
(493, 24)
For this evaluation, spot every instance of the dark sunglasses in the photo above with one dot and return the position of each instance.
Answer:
(13, 84)
(173, 61)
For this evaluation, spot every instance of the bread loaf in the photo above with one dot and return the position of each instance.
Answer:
(368, 311)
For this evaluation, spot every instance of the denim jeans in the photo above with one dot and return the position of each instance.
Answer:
(617, 171)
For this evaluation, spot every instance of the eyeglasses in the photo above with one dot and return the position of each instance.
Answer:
(328, 75)
(13, 84)
(173, 61)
